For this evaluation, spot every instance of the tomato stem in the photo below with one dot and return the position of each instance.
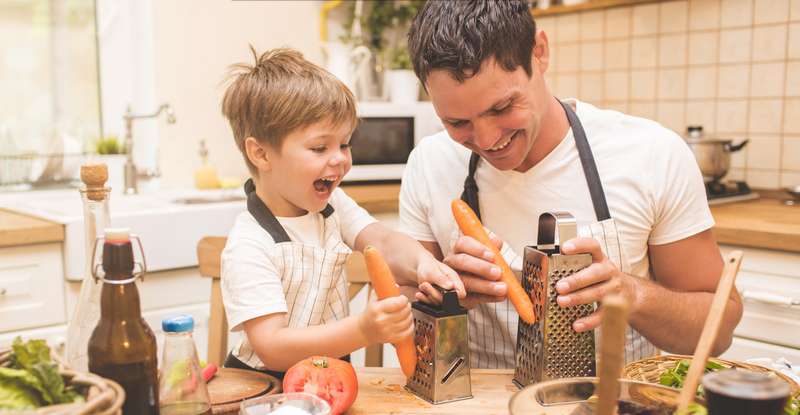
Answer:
(321, 362)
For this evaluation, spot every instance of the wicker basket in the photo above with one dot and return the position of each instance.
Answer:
(103, 396)
(650, 369)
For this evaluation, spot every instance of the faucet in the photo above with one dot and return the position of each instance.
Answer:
(131, 172)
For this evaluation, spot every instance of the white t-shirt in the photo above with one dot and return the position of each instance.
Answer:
(651, 180)
(254, 283)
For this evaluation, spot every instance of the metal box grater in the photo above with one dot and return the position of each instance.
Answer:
(550, 348)
(441, 336)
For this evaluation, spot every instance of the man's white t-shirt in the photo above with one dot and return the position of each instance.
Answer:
(251, 261)
(651, 180)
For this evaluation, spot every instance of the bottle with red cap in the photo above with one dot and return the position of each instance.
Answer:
(122, 346)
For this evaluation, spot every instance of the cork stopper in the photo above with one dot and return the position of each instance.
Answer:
(94, 176)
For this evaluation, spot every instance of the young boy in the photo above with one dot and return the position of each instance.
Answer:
(282, 267)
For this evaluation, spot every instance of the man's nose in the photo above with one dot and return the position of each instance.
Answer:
(485, 134)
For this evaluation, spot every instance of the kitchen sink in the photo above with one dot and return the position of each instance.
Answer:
(169, 223)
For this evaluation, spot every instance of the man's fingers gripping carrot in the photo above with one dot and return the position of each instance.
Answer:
(384, 284)
(471, 226)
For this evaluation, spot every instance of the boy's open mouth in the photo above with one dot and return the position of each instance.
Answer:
(325, 184)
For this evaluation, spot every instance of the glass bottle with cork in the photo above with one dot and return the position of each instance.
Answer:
(182, 388)
(122, 346)
(95, 197)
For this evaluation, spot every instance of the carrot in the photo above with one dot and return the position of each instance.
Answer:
(383, 282)
(471, 226)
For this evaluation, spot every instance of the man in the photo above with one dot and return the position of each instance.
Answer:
(514, 151)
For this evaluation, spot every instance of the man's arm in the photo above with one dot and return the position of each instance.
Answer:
(669, 312)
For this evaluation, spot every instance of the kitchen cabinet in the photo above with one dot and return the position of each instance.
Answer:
(31, 286)
(770, 327)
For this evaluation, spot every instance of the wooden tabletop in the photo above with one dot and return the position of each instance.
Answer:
(762, 223)
(381, 391)
(18, 229)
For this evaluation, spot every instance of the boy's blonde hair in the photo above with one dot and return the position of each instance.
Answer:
(279, 94)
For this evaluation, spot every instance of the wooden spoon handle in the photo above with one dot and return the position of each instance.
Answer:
(612, 352)
(710, 330)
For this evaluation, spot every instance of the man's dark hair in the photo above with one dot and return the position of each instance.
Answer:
(458, 35)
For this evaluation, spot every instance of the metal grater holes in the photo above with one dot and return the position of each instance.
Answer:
(424, 341)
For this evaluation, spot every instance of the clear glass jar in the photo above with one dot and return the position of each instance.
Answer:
(182, 389)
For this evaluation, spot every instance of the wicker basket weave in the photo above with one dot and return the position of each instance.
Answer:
(103, 396)
(650, 369)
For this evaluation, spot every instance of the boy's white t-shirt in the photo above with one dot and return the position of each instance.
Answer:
(251, 282)
(651, 180)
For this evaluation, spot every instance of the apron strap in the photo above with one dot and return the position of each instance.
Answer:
(470, 192)
(588, 164)
(264, 216)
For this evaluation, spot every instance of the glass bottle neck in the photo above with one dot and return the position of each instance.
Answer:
(120, 301)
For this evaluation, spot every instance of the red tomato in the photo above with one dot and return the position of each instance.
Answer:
(331, 379)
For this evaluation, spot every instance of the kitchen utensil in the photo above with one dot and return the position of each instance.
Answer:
(794, 192)
(612, 352)
(710, 329)
(713, 155)
(744, 393)
(302, 402)
(572, 396)
(550, 348)
(441, 336)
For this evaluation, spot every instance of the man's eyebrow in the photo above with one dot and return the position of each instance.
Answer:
(501, 101)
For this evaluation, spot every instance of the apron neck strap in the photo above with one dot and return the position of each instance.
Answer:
(264, 216)
(470, 192)
(588, 164)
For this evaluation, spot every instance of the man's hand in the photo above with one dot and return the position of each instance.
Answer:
(592, 283)
(473, 263)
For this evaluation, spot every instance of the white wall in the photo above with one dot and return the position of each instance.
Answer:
(195, 41)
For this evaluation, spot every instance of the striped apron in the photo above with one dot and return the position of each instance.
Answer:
(493, 326)
(313, 277)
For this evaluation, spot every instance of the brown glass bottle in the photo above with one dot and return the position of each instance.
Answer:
(122, 346)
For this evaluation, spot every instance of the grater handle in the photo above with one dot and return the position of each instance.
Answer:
(449, 300)
(555, 228)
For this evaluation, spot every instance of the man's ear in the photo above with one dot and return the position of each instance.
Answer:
(541, 52)
(257, 154)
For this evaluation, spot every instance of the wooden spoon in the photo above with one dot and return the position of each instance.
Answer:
(710, 330)
(612, 353)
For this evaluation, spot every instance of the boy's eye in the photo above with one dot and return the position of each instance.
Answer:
(345, 146)
(319, 149)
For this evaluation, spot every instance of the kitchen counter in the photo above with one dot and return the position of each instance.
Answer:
(762, 223)
(18, 229)
(381, 391)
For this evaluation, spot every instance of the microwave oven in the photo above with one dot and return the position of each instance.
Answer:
(385, 135)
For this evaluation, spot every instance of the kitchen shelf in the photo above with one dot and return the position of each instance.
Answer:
(588, 5)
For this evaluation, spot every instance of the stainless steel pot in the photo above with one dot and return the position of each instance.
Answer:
(713, 155)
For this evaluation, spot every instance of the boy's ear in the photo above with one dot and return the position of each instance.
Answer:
(257, 154)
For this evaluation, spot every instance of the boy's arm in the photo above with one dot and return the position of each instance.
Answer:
(279, 346)
(407, 258)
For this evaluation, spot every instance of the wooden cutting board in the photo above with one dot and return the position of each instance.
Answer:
(381, 391)
(231, 386)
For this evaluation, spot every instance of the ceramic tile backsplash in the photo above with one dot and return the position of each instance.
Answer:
(732, 66)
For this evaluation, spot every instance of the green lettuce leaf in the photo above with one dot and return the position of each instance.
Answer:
(19, 389)
(41, 376)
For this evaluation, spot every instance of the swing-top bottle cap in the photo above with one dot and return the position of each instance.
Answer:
(117, 234)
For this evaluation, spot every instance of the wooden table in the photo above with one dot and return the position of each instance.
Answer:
(381, 391)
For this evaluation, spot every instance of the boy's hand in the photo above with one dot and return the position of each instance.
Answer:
(387, 321)
(429, 272)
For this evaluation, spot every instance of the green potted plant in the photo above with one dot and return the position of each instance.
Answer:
(111, 151)
(384, 25)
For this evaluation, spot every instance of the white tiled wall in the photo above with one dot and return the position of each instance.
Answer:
(732, 66)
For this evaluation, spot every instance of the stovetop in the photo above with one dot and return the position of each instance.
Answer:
(726, 192)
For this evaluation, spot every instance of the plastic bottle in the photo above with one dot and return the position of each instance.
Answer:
(182, 388)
